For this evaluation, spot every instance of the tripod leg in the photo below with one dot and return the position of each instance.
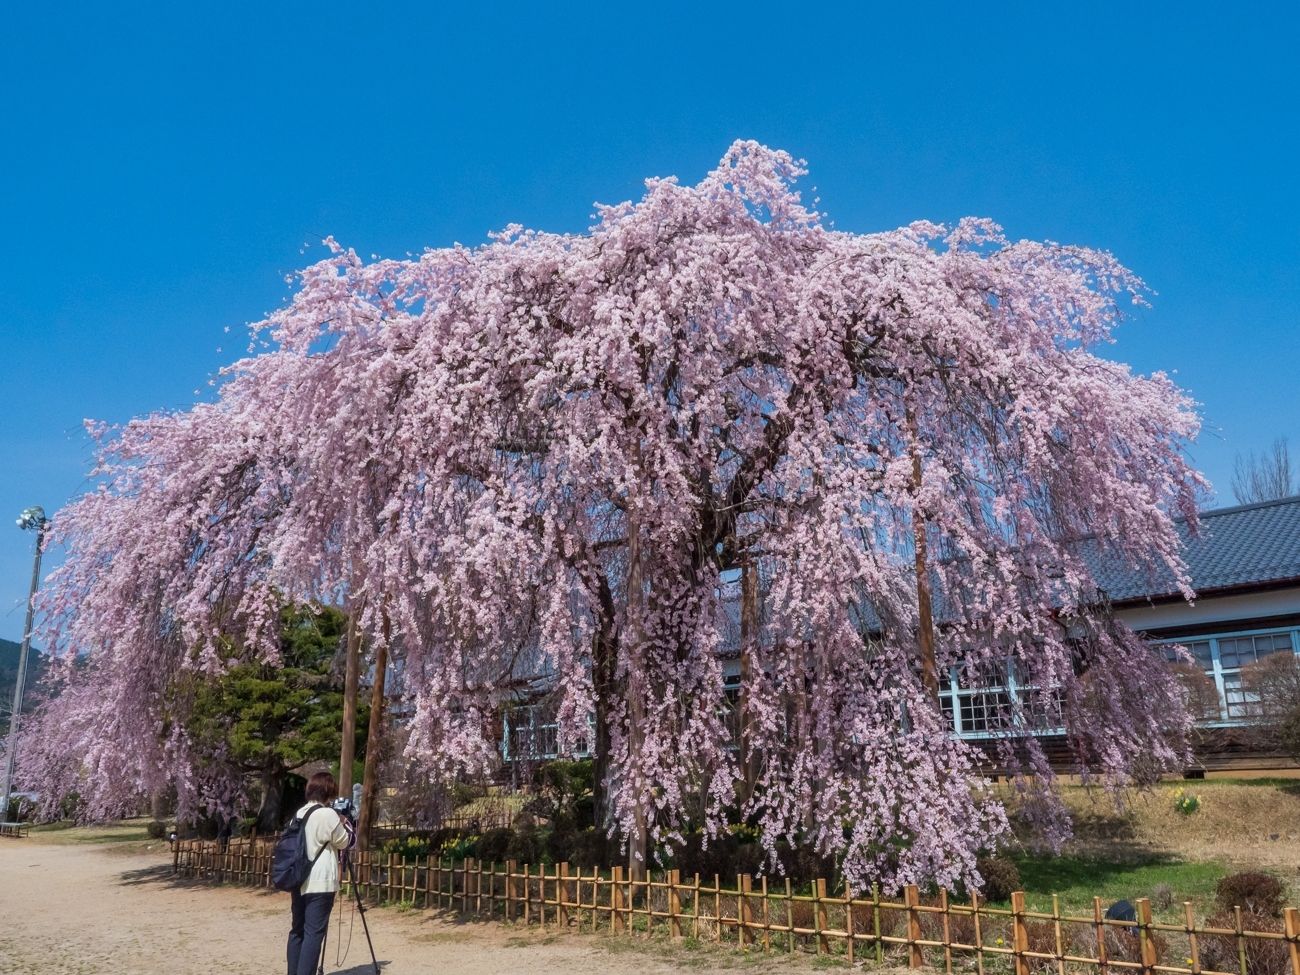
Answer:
(361, 909)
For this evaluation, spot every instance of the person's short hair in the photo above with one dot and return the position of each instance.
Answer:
(321, 787)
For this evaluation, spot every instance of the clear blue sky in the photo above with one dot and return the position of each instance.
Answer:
(161, 169)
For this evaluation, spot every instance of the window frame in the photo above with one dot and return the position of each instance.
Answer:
(1220, 674)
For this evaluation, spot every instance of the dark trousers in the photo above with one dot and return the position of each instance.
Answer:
(311, 916)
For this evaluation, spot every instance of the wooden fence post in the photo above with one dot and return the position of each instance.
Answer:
(1195, 949)
(1019, 933)
(616, 900)
(819, 909)
(767, 917)
(744, 916)
(849, 946)
(1099, 925)
(947, 930)
(562, 894)
(1241, 939)
(789, 917)
(915, 953)
(673, 878)
(717, 905)
(1059, 949)
(511, 867)
(1291, 926)
(1145, 941)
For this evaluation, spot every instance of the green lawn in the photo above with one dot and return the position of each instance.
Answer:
(1076, 880)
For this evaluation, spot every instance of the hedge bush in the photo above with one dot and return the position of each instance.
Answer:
(1001, 877)
(1253, 891)
(1263, 957)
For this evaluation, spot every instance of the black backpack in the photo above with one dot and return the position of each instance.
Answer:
(290, 867)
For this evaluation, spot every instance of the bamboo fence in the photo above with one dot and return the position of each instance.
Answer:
(758, 915)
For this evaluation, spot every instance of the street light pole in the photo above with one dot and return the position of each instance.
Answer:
(33, 517)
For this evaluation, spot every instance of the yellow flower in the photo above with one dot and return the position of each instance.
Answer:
(999, 942)
(1187, 961)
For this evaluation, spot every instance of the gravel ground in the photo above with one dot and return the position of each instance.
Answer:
(86, 908)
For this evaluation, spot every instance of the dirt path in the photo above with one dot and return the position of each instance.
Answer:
(82, 909)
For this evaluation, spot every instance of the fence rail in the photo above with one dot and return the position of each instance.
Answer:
(755, 914)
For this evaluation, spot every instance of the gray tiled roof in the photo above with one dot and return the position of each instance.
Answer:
(1253, 544)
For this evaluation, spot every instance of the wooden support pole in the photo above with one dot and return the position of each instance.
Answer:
(351, 676)
(562, 894)
(374, 744)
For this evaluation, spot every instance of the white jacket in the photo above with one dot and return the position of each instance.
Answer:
(326, 828)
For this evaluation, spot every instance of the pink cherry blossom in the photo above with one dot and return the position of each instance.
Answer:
(549, 454)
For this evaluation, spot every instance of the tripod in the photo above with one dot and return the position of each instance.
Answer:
(361, 909)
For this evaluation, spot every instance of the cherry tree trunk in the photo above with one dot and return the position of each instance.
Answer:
(924, 601)
(269, 813)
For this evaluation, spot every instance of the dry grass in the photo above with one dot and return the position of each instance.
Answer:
(1239, 824)
(126, 837)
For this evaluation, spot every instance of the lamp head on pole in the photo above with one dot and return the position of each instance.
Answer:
(33, 517)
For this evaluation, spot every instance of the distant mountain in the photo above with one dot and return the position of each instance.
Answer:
(9, 654)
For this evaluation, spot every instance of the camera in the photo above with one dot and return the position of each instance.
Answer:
(345, 807)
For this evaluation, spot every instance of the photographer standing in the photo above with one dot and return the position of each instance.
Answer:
(325, 831)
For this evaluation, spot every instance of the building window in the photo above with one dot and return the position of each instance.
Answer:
(531, 734)
(981, 702)
(1244, 650)
(984, 711)
(1222, 659)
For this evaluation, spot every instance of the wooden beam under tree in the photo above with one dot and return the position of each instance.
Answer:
(374, 742)
(638, 846)
(347, 753)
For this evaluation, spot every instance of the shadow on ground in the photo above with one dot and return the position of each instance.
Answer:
(161, 876)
